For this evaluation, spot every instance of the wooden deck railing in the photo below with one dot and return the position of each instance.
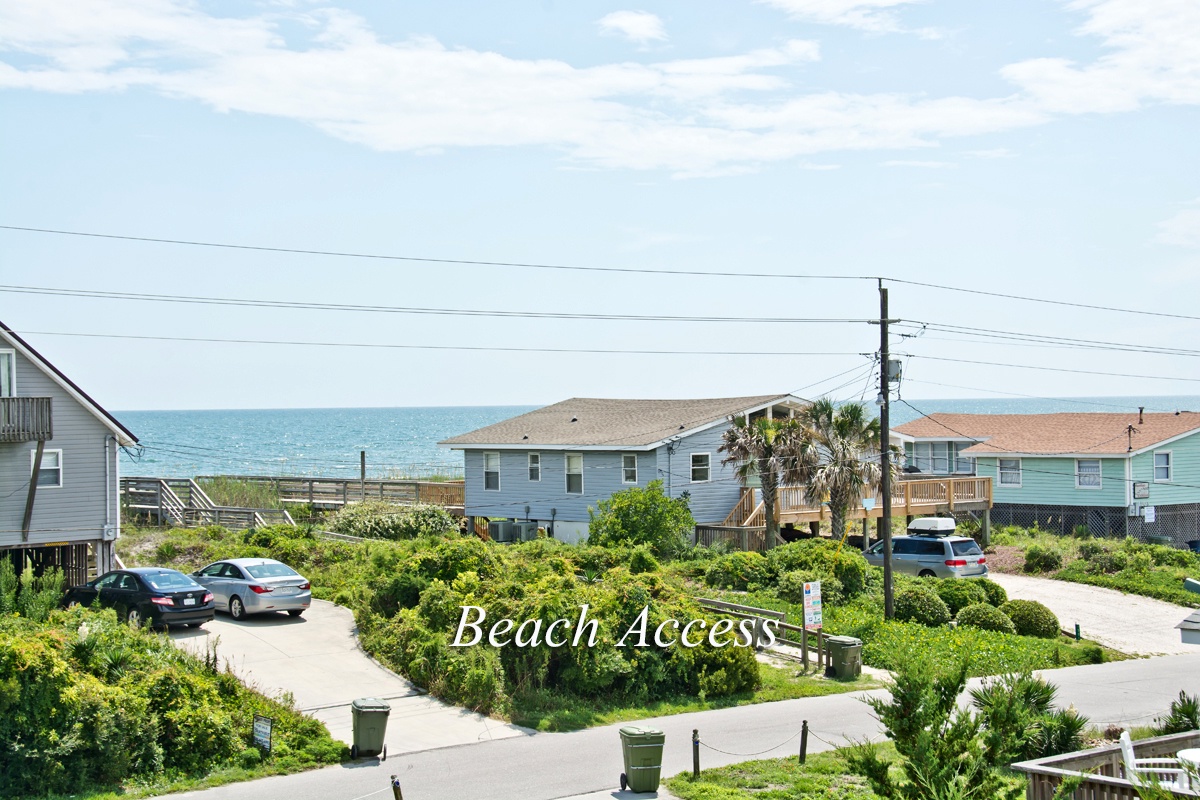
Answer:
(26, 419)
(1102, 767)
(337, 492)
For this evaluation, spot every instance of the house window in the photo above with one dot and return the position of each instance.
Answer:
(629, 468)
(574, 473)
(51, 474)
(535, 466)
(936, 457)
(1162, 466)
(1087, 473)
(1010, 472)
(700, 470)
(491, 472)
(8, 373)
(963, 465)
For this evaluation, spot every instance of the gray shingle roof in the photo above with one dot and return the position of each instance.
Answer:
(599, 422)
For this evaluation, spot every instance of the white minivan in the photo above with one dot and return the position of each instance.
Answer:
(932, 550)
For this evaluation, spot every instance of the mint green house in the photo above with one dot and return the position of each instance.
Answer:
(1135, 474)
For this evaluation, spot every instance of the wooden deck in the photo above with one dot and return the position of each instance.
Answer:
(333, 493)
(1103, 768)
(181, 501)
(910, 498)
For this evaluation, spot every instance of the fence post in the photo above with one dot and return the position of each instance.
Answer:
(803, 741)
(396, 793)
(362, 474)
(804, 648)
(820, 651)
(695, 753)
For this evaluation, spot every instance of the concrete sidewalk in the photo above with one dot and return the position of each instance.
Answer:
(1130, 623)
(317, 659)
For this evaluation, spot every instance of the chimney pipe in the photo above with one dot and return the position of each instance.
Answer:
(1141, 420)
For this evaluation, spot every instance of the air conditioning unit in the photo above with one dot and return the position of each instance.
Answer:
(500, 530)
(525, 531)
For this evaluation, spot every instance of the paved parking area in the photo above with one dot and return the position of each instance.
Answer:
(317, 659)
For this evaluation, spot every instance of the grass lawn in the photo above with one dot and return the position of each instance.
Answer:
(552, 711)
(823, 775)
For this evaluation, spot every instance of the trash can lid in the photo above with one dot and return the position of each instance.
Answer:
(846, 641)
(638, 732)
(370, 704)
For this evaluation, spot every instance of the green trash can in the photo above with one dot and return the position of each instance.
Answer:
(370, 717)
(642, 749)
(845, 657)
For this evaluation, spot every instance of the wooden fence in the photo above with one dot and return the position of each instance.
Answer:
(744, 538)
(337, 492)
(1102, 767)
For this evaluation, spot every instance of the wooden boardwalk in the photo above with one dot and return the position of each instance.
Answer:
(333, 493)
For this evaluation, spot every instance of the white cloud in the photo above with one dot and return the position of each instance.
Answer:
(641, 27)
(875, 16)
(1183, 229)
(921, 164)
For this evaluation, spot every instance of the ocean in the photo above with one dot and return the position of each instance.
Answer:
(402, 442)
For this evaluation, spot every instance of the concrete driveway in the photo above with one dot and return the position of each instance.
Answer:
(1127, 622)
(317, 659)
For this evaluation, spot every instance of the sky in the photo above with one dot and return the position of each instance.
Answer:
(778, 156)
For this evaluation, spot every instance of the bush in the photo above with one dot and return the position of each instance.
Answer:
(1031, 618)
(738, 571)
(791, 587)
(1089, 550)
(959, 593)
(375, 519)
(1107, 562)
(916, 603)
(996, 596)
(646, 516)
(1183, 716)
(985, 617)
(643, 560)
(1040, 559)
(821, 557)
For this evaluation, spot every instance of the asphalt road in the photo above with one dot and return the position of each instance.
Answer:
(549, 766)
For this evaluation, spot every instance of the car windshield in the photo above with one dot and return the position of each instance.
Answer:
(169, 580)
(271, 571)
(967, 548)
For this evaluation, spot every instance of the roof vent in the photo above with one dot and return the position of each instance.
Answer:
(1141, 417)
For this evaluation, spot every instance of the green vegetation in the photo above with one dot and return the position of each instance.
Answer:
(228, 491)
(920, 604)
(89, 704)
(376, 519)
(1126, 565)
(959, 594)
(825, 775)
(638, 516)
(1184, 715)
(985, 617)
(1031, 618)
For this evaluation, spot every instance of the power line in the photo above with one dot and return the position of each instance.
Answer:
(1043, 339)
(1038, 397)
(1054, 369)
(481, 348)
(353, 307)
(430, 260)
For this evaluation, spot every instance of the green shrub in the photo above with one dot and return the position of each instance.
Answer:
(917, 604)
(821, 557)
(996, 596)
(985, 617)
(791, 587)
(1081, 532)
(738, 571)
(1040, 559)
(1170, 557)
(1031, 618)
(646, 516)
(1107, 562)
(959, 593)
(1089, 550)
(642, 560)
(375, 519)
(1184, 715)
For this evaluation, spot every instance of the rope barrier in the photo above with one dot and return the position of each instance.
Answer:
(769, 749)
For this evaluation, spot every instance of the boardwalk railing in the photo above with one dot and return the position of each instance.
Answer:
(909, 498)
(743, 538)
(180, 501)
(25, 419)
(1102, 769)
(337, 492)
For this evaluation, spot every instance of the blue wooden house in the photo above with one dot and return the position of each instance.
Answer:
(1136, 474)
(550, 465)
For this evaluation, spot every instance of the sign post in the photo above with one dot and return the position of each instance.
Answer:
(812, 606)
(262, 732)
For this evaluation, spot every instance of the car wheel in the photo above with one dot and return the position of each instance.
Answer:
(927, 573)
(295, 612)
(134, 618)
(236, 609)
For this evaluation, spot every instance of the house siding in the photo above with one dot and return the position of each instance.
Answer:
(1051, 481)
(1185, 472)
(76, 511)
(711, 501)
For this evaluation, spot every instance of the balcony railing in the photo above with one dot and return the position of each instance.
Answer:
(1102, 769)
(25, 419)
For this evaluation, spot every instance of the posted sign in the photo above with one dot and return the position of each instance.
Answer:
(262, 732)
(812, 606)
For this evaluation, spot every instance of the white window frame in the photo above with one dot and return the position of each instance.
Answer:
(1099, 475)
(625, 469)
(707, 467)
(33, 457)
(1170, 466)
(486, 471)
(967, 461)
(567, 473)
(1000, 472)
(12, 372)
(534, 462)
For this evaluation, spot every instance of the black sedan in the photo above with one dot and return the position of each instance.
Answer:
(147, 596)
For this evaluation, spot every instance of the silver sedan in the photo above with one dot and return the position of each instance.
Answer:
(245, 586)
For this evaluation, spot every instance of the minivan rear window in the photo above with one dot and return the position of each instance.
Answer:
(966, 548)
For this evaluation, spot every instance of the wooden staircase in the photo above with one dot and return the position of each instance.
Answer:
(181, 502)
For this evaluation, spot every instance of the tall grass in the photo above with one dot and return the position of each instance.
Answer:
(226, 491)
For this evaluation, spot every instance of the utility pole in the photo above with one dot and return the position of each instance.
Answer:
(885, 452)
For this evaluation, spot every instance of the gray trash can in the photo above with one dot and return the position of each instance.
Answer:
(845, 657)
(370, 717)
(642, 750)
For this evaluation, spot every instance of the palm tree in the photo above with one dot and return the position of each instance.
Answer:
(774, 450)
(844, 442)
